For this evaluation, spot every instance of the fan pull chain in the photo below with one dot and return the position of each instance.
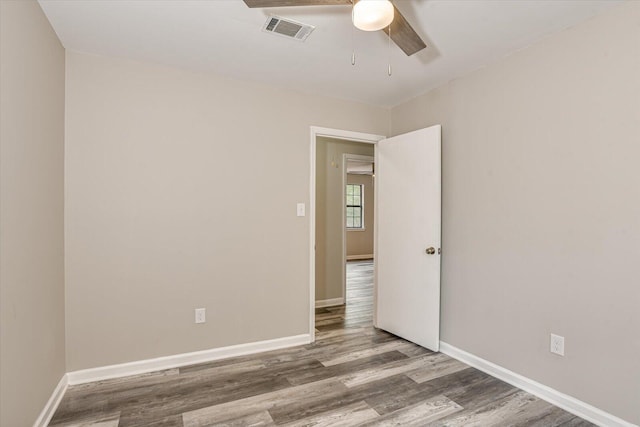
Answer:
(390, 71)
(353, 48)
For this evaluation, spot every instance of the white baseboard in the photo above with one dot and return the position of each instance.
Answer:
(356, 257)
(52, 404)
(329, 302)
(559, 399)
(177, 360)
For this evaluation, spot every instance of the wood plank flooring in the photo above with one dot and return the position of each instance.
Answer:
(353, 375)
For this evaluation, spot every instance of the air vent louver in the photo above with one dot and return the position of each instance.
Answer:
(287, 28)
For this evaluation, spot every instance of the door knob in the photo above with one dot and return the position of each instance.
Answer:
(431, 250)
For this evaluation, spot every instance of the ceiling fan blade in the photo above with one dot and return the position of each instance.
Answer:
(404, 35)
(286, 3)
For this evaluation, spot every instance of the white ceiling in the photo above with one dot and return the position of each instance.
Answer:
(225, 37)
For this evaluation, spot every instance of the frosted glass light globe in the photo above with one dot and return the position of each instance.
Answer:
(372, 15)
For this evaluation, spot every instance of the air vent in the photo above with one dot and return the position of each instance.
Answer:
(287, 28)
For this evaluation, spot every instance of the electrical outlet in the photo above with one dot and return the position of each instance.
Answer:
(557, 344)
(200, 315)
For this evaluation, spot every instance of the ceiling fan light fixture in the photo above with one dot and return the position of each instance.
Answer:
(372, 15)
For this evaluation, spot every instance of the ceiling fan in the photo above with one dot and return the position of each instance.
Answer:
(368, 15)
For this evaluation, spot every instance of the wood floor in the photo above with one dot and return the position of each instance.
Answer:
(352, 375)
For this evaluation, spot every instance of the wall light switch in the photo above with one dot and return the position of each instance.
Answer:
(200, 315)
(557, 344)
(300, 209)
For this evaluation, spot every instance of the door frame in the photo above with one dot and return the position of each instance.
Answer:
(345, 158)
(315, 132)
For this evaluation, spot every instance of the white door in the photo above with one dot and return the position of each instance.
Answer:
(408, 183)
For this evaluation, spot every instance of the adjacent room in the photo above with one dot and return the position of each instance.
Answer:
(319, 213)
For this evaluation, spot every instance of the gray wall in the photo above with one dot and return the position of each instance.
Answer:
(360, 242)
(32, 344)
(541, 209)
(329, 170)
(159, 222)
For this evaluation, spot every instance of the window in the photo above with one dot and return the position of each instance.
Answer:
(355, 206)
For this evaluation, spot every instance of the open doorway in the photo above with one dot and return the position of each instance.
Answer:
(359, 202)
(343, 225)
(406, 276)
(358, 240)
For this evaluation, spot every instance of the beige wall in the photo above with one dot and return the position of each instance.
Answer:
(155, 227)
(32, 344)
(541, 209)
(360, 242)
(329, 170)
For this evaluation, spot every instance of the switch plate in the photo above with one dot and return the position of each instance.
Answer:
(201, 315)
(557, 344)
(300, 209)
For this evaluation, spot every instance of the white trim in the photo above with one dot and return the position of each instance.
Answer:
(375, 239)
(555, 397)
(316, 131)
(329, 302)
(348, 135)
(356, 257)
(52, 404)
(174, 361)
